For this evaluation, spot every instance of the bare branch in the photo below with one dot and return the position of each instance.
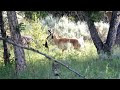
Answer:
(49, 58)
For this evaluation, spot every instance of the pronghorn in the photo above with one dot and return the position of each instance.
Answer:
(24, 40)
(63, 43)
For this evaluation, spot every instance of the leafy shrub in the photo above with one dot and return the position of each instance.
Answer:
(37, 32)
(66, 27)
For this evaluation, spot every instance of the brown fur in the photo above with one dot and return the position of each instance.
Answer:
(62, 43)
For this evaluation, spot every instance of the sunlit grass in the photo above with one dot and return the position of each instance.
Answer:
(86, 62)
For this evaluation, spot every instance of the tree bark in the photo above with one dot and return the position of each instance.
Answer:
(95, 37)
(111, 37)
(100, 46)
(3, 33)
(16, 37)
(117, 41)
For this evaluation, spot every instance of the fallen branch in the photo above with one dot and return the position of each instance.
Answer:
(50, 58)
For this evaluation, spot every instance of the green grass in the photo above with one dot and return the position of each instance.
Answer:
(86, 62)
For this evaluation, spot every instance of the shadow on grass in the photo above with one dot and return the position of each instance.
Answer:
(84, 62)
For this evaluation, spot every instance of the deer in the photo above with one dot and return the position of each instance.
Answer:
(25, 40)
(64, 43)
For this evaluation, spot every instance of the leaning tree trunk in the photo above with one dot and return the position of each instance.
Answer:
(3, 33)
(94, 35)
(111, 37)
(107, 47)
(117, 41)
(16, 36)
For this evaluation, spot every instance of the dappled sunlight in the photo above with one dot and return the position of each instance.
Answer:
(74, 48)
(86, 62)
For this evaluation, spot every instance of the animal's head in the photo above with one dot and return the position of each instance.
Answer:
(51, 36)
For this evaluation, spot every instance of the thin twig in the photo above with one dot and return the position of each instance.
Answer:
(49, 58)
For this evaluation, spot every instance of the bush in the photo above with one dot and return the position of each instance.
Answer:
(37, 32)
(66, 27)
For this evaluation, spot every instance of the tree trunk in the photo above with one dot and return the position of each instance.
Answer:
(100, 46)
(111, 37)
(16, 36)
(95, 37)
(3, 33)
(117, 41)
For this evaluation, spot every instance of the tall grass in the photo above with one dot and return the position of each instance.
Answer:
(85, 61)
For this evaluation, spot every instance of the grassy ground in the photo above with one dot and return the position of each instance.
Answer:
(86, 62)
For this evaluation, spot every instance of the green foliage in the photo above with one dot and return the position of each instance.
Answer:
(95, 15)
(29, 15)
(21, 26)
(34, 15)
(37, 32)
(85, 62)
(66, 26)
(71, 18)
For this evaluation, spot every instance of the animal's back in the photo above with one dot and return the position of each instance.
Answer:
(64, 43)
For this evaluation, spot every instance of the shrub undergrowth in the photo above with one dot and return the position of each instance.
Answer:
(86, 61)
